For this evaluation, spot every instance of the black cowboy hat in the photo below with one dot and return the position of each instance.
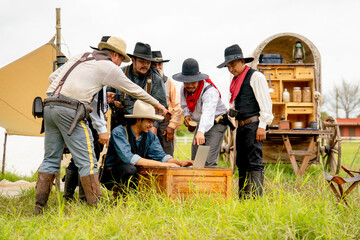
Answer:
(157, 57)
(190, 72)
(143, 51)
(232, 53)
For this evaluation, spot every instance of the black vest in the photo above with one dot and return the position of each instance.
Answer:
(245, 101)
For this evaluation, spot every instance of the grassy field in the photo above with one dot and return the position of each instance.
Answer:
(292, 208)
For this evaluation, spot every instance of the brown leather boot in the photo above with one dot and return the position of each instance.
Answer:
(91, 187)
(43, 188)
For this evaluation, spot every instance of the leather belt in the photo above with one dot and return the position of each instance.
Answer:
(61, 102)
(241, 123)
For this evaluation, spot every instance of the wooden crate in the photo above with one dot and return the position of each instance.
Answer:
(185, 182)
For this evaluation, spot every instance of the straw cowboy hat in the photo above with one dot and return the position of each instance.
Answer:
(190, 72)
(143, 51)
(144, 110)
(157, 57)
(232, 53)
(115, 44)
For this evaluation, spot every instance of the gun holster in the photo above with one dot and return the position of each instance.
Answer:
(225, 120)
(82, 112)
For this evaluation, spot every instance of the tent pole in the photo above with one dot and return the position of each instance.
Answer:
(4, 153)
(58, 32)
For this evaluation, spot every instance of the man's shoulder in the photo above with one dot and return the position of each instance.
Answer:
(119, 130)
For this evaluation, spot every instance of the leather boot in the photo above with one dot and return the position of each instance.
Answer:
(43, 188)
(244, 185)
(82, 196)
(71, 182)
(91, 187)
(257, 178)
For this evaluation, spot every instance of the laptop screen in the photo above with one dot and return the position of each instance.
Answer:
(201, 156)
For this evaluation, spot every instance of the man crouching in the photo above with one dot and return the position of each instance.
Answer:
(135, 145)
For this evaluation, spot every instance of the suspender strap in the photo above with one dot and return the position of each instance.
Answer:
(148, 84)
(62, 81)
(97, 55)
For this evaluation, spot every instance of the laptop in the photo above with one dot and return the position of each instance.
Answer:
(201, 156)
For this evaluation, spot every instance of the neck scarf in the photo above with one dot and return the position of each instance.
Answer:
(132, 141)
(191, 99)
(236, 84)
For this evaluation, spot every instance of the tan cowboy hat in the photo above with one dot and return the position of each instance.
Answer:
(144, 110)
(115, 44)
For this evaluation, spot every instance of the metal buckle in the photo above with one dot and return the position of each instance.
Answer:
(241, 123)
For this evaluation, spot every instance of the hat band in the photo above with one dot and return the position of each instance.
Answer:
(233, 57)
(158, 58)
(190, 73)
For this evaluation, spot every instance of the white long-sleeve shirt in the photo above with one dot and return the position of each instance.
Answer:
(90, 77)
(207, 107)
(260, 88)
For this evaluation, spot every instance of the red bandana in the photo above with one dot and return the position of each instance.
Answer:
(236, 84)
(191, 99)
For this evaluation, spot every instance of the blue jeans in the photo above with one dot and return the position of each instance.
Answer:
(57, 120)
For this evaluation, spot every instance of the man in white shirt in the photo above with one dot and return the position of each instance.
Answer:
(71, 90)
(201, 103)
(251, 99)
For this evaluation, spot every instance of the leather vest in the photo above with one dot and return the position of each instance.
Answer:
(245, 101)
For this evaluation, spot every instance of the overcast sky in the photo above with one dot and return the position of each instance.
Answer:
(188, 28)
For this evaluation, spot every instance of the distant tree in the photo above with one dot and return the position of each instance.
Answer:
(324, 115)
(344, 96)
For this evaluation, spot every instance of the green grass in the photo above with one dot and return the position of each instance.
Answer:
(292, 208)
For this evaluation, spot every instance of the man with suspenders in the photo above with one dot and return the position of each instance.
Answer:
(144, 75)
(66, 107)
(201, 103)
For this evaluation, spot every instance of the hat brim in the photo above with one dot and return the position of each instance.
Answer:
(159, 60)
(247, 60)
(154, 117)
(105, 45)
(145, 57)
(190, 78)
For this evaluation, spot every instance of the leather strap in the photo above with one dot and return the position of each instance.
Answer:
(61, 102)
(241, 123)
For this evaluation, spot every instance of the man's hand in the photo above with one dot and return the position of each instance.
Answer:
(160, 109)
(171, 164)
(187, 119)
(199, 139)
(260, 135)
(187, 163)
(153, 130)
(118, 104)
(104, 138)
(169, 132)
(110, 97)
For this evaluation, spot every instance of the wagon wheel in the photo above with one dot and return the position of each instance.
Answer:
(228, 147)
(330, 148)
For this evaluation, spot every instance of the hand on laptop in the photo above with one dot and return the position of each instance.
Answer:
(187, 163)
(199, 139)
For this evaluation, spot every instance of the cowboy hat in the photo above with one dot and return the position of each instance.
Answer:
(143, 51)
(157, 57)
(144, 110)
(115, 44)
(190, 72)
(232, 53)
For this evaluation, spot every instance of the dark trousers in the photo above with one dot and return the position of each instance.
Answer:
(248, 151)
(121, 174)
(167, 146)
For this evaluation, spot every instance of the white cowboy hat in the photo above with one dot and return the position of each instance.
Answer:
(144, 110)
(115, 44)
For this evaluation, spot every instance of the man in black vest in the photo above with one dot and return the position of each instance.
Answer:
(147, 77)
(251, 99)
